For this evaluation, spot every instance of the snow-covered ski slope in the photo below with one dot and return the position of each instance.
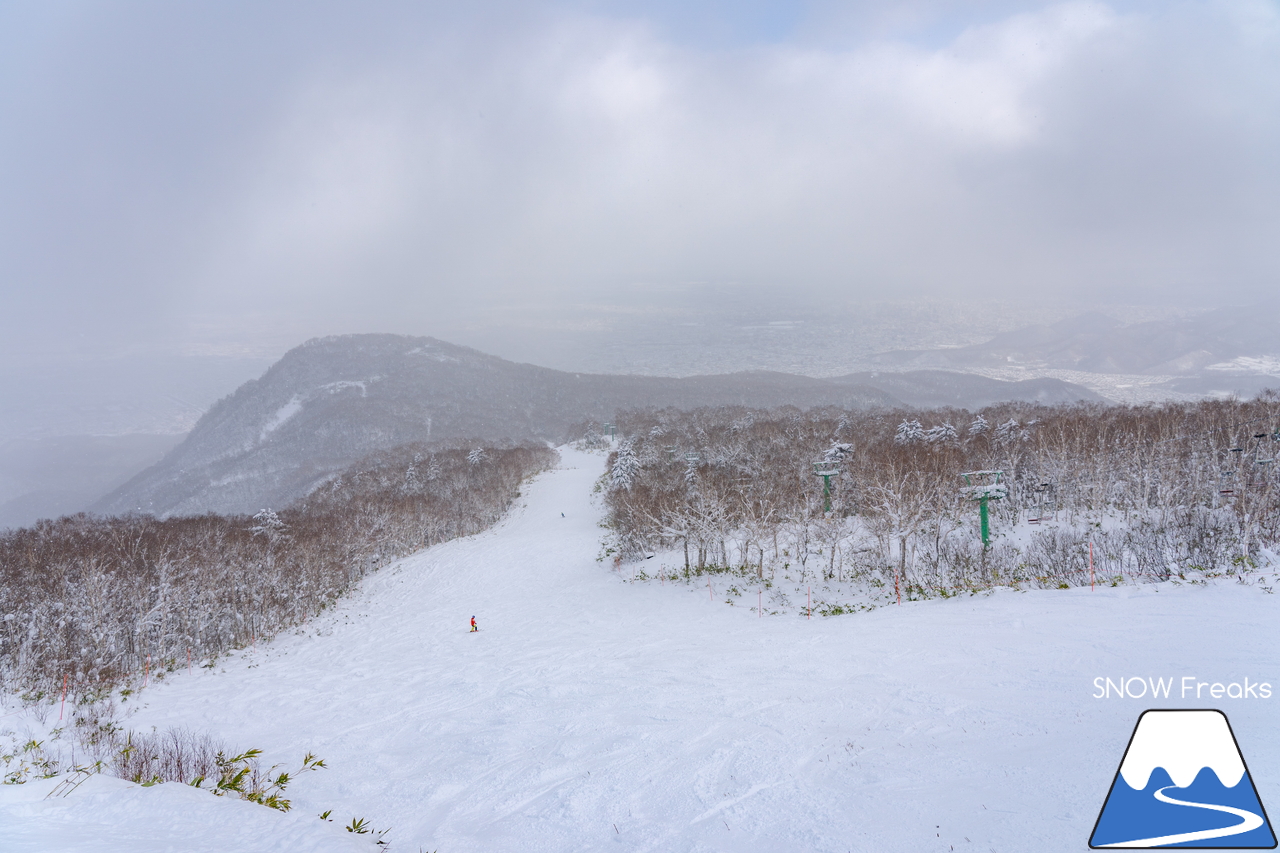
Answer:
(590, 714)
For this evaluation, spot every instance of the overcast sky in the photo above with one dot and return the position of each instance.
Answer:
(204, 175)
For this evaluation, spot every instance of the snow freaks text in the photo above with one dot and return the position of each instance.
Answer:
(1186, 687)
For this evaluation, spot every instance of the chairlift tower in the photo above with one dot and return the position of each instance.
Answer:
(610, 428)
(826, 470)
(984, 486)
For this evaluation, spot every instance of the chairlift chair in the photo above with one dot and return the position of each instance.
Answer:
(1044, 503)
(1258, 458)
(1226, 488)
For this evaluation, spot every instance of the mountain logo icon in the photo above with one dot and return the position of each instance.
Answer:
(1182, 783)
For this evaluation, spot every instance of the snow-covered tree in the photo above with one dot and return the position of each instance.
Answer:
(476, 456)
(943, 434)
(1007, 432)
(909, 432)
(980, 426)
(837, 452)
(625, 466)
(268, 524)
(412, 482)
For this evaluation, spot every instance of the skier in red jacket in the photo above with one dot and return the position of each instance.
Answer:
(473, 624)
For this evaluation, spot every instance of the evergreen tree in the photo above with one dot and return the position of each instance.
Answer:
(625, 466)
(942, 434)
(1007, 432)
(267, 523)
(909, 432)
(837, 452)
(412, 482)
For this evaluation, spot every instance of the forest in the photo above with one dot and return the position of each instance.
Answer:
(890, 500)
(93, 602)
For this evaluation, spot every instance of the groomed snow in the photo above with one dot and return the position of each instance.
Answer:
(590, 714)
(105, 814)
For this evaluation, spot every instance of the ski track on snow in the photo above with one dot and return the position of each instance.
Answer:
(591, 714)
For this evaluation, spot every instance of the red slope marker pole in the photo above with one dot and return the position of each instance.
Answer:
(188, 660)
(808, 602)
(146, 673)
(1091, 565)
(760, 606)
(64, 696)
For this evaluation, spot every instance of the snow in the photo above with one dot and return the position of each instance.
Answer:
(1267, 364)
(435, 354)
(342, 385)
(591, 714)
(108, 814)
(295, 404)
(283, 414)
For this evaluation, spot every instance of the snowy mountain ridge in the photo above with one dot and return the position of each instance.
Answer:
(333, 400)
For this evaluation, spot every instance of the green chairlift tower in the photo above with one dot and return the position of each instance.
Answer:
(826, 470)
(984, 486)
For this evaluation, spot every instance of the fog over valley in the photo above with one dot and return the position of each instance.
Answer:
(663, 189)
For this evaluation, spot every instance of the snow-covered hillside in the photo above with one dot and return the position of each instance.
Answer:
(591, 714)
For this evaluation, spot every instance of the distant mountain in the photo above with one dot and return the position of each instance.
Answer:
(1095, 343)
(333, 400)
(937, 388)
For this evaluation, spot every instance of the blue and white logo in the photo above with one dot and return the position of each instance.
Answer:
(1183, 783)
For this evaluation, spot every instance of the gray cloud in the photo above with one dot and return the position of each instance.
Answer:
(181, 175)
